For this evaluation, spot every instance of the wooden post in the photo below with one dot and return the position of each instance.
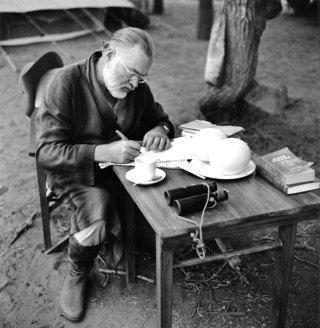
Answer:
(158, 7)
(3, 27)
(205, 19)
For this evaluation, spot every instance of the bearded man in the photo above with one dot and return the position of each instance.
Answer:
(84, 104)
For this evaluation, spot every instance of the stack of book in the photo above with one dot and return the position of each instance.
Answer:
(286, 171)
(190, 128)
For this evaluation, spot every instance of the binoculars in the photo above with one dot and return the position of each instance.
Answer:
(194, 197)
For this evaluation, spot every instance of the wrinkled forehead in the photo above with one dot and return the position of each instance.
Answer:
(134, 58)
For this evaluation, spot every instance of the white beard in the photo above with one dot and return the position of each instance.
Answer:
(111, 83)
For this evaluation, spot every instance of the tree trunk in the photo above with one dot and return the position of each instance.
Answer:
(244, 23)
(205, 19)
(158, 7)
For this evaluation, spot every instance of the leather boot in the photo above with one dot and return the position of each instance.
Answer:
(72, 297)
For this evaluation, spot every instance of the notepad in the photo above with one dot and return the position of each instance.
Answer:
(180, 149)
(173, 164)
(178, 154)
(163, 164)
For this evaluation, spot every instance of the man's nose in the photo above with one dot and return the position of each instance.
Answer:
(134, 81)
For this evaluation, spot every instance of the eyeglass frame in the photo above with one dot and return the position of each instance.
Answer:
(141, 78)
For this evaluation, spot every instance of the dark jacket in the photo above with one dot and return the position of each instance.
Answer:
(70, 123)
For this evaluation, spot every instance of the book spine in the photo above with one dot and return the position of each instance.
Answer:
(267, 175)
(272, 179)
(272, 170)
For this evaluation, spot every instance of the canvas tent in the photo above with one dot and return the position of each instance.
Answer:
(32, 21)
(23, 6)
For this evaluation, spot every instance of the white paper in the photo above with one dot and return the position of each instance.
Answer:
(181, 149)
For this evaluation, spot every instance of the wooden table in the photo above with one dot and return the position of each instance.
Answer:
(253, 204)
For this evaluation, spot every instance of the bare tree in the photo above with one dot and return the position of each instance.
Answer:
(205, 19)
(245, 21)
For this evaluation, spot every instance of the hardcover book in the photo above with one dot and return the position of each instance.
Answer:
(190, 128)
(287, 167)
(196, 125)
(288, 189)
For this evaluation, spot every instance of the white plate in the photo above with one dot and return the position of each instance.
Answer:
(205, 169)
(132, 177)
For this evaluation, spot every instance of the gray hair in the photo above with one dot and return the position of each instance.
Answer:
(131, 36)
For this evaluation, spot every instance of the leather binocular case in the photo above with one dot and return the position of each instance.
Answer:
(195, 203)
(193, 190)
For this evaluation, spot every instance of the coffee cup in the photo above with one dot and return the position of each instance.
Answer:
(145, 168)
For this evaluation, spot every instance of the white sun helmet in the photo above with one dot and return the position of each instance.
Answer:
(205, 140)
(230, 156)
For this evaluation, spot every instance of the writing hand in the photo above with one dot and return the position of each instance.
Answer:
(122, 151)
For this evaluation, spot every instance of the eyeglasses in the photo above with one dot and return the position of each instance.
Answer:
(133, 75)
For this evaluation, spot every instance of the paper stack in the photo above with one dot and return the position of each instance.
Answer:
(190, 128)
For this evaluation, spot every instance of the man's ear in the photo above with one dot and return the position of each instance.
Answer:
(109, 53)
(107, 50)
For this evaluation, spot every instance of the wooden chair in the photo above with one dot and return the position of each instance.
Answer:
(34, 92)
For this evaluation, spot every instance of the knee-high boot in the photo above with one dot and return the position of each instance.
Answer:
(72, 297)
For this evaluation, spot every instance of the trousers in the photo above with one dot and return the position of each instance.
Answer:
(97, 209)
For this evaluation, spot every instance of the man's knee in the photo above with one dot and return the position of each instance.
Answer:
(92, 235)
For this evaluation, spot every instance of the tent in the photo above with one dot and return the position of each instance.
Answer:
(23, 6)
(33, 21)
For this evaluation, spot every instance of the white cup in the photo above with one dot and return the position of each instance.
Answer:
(145, 168)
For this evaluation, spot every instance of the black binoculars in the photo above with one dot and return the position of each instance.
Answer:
(193, 198)
(198, 189)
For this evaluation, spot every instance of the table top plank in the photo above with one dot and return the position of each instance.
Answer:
(250, 199)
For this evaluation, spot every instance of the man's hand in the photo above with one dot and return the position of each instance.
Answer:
(156, 139)
(122, 151)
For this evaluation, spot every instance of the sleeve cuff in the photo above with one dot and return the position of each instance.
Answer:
(165, 127)
(85, 164)
(168, 126)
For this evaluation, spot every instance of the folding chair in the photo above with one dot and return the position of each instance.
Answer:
(33, 81)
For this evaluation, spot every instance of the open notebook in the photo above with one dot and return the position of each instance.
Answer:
(176, 156)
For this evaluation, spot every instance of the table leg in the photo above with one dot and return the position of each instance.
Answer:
(287, 235)
(130, 242)
(164, 284)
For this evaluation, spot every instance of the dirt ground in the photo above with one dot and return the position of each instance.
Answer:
(205, 296)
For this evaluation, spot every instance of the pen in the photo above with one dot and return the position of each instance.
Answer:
(121, 135)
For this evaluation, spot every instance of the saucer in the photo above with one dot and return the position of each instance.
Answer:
(204, 168)
(132, 177)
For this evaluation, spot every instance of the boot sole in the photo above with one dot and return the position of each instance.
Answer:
(73, 319)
